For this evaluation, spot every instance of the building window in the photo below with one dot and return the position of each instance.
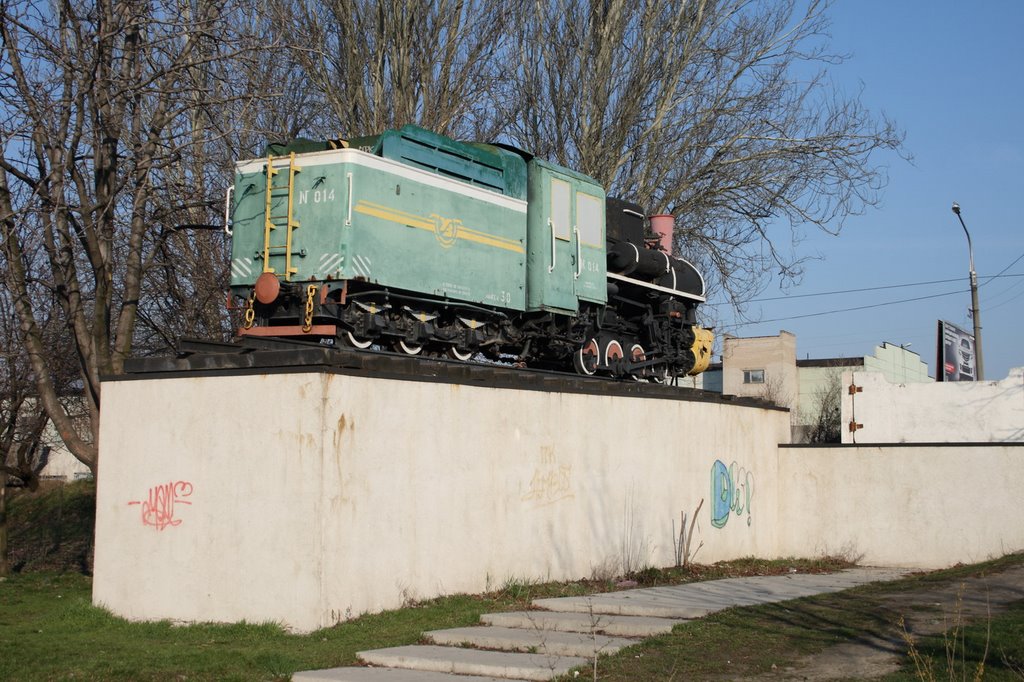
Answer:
(753, 376)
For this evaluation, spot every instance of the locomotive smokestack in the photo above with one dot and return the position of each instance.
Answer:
(663, 225)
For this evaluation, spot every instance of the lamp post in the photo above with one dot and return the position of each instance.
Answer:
(975, 313)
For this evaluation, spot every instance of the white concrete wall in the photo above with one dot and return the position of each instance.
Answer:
(55, 462)
(308, 498)
(62, 465)
(913, 505)
(955, 412)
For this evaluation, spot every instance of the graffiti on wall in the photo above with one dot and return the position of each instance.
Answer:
(551, 481)
(732, 488)
(158, 507)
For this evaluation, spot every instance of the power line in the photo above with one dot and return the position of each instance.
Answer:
(991, 300)
(992, 297)
(1009, 300)
(848, 310)
(868, 307)
(889, 286)
(999, 275)
(1015, 261)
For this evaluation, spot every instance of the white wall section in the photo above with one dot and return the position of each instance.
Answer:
(927, 506)
(308, 498)
(936, 412)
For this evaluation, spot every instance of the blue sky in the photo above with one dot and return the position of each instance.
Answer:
(952, 76)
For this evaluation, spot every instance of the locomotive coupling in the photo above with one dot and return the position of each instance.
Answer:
(267, 288)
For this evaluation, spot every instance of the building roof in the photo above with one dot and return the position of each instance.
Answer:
(831, 362)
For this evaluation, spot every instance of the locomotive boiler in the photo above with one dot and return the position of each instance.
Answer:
(413, 241)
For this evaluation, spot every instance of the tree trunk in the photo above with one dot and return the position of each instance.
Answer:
(5, 566)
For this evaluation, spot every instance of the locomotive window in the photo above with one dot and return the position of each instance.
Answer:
(561, 216)
(753, 376)
(588, 219)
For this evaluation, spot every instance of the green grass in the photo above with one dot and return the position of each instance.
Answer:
(742, 642)
(51, 530)
(50, 630)
(994, 649)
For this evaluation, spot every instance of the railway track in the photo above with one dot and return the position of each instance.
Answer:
(275, 356)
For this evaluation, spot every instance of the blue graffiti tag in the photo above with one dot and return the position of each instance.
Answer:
(731, 490)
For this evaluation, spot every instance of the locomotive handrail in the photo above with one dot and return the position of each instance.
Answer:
(579, 252)
(227, 210)
(348, 220)
(554, 244)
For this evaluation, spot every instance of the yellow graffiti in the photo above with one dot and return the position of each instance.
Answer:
(550, 485)
(551, 482)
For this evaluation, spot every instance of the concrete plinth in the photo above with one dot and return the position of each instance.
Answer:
(311, 497)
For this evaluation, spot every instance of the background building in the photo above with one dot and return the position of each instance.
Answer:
(767, 367)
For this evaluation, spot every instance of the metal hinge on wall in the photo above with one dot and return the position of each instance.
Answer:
(853, 390)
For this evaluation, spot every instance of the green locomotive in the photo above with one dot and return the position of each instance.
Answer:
(415, 241)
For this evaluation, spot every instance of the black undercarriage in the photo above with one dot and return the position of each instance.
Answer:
(637, 334)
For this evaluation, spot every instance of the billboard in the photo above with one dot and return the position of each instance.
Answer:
(955, 359)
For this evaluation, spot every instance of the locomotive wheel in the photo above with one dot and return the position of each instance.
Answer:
(612, 354)
(586, 358)
(457, 354)
(408, 348)
(638, 354)
(350, 339)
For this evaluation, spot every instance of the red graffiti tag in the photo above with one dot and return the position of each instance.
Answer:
(158, 509)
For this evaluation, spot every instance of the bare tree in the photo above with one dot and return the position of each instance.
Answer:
(24, 437)
(825, 423)
(774, 391)
(384, 63)
(717, 111)
(184, 290)
(99, 102)
(119, 120)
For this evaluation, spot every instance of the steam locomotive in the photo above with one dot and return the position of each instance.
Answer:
(417, 242)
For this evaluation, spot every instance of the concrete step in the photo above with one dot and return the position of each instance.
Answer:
(446, 659)
(535, 640)
(384, 675)
(655, 606)
(615, 626)
(572, 622)
(697, 600)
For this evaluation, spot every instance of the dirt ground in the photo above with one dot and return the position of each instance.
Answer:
(928, 611)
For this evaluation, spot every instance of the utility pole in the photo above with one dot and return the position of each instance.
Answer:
(975, 313)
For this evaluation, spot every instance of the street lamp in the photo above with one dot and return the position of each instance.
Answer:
(975, 313)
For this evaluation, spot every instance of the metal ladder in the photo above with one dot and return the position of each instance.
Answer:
(272, 222)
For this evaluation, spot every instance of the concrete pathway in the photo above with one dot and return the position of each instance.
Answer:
(570, 631)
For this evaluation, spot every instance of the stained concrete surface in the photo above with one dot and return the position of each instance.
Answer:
(603, 616)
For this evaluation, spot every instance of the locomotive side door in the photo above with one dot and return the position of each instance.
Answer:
(552, 242)
(591, 277)
(562, 264)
